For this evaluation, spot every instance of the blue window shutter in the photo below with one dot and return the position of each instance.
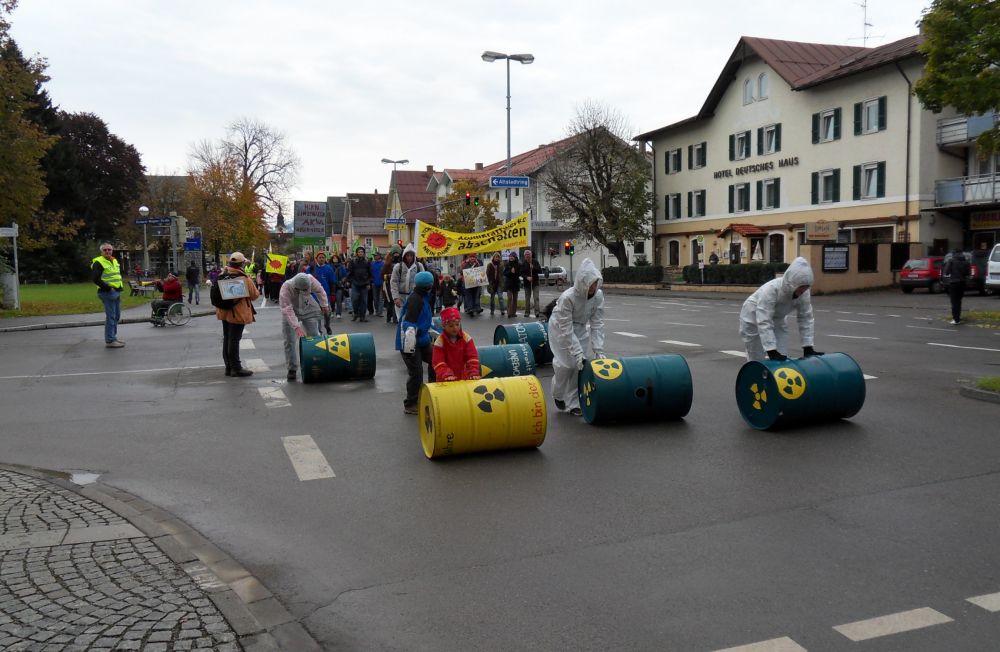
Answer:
(880, 182)
(732, 191)
(857, 182)
(760, 195)
(882, 101)
(836, 184)
(857, 118)
(732, 147)
(814, 191)
(815, 129)
(836, 123)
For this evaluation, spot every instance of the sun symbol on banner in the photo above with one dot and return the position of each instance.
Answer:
(606, 368)
(486, 405)
(436, 241)
(759, 396)
(791, 384)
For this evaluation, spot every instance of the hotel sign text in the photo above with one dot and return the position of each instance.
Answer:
(755, 168)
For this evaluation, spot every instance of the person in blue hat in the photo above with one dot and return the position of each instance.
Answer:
(413, 340)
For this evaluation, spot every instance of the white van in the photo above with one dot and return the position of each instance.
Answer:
(993, 270)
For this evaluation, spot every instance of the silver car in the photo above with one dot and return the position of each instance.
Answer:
(554, 275)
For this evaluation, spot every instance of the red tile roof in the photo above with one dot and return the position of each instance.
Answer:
(522, 164)
(411, 186)
(368, 204)
(743, 229)
(793, 60)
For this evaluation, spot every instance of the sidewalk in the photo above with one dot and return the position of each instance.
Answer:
(95, 568)
(134, 315)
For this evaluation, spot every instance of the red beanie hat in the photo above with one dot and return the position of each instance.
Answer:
(450, 314)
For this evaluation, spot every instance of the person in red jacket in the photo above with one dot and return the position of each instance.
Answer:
(454, 354)
(172, 293)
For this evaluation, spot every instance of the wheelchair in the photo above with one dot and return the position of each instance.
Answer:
(175, 313)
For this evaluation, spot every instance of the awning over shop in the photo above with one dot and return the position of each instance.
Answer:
(744, 230)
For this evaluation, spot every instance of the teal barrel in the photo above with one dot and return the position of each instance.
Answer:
(337, 357)
(535, 334)
(807, 390)
(639, 388)
(505, 360)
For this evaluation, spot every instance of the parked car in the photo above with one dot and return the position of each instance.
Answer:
(922, 272)
(554, 275)
(973, 282)
(993, 270)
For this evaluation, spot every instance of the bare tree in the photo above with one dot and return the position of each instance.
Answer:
(267, 163)
(600, 184)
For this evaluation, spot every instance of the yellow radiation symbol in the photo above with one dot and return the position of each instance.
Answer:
(337, 345)
(502, 340)
(484, 370)
(606, 368)
(791, 384)
(588, 389)
(759, 396)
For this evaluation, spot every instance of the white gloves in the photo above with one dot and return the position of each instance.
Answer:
(600, 354)
(579, 363)
(410, 340)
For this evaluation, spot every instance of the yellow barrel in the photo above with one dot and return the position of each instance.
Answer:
(470, 416)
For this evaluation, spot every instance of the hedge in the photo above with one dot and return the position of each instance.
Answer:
(742, 274)
(642, 274)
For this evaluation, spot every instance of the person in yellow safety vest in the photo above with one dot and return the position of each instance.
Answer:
(107, 275)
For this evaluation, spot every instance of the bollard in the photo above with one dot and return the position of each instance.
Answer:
(337, 357)
(505, 360)
(807, 390)
(470, 416)
(535, 334)
(640, 388)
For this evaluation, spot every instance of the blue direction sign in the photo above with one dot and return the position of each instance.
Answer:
(395, 220)
(509, 182)
(154, 220)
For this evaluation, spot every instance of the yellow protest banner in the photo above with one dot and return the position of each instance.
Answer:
(433, 242)
(276, 263)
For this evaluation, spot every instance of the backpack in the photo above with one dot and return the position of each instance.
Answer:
(215, 294)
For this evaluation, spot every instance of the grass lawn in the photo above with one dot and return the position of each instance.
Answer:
(990, 383)
(65, 299)
(986, 318)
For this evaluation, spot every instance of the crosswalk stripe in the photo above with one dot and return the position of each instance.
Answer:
(904, 621)
(989, 602)
(677, 323)
(677, 343)
(867, 377)
(256, 365)
(971, 348)
(783, 644)
(306, 457)
(854, 337)
(738, 354)
(855, 321)
(273, 397)
(628, 334)
(246, 344)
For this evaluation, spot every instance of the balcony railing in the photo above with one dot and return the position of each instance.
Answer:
(963, 129)
(980, 189)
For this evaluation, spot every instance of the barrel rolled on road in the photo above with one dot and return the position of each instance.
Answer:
(637, 388)
(534, 333)
(337, 357)
(505, 360)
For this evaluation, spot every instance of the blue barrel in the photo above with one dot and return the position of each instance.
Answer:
(639, 388)
(505, 360)
(535, 334)
(807, 390)
(337, 357)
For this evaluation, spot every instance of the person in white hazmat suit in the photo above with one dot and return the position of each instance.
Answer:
(303, 303)
(576, 308)
(763, 317)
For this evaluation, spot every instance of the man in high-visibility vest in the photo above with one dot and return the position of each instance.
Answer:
(107, 275)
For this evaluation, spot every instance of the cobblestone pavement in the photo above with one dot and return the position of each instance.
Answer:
(76, 576)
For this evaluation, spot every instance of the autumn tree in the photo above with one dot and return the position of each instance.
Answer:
(266, 162)
(962, 46)
(600, 184)
(454, 215)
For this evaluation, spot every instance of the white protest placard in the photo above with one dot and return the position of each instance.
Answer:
(233, 288)
(475, 277)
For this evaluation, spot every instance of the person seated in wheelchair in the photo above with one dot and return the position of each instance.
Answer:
(172, 293)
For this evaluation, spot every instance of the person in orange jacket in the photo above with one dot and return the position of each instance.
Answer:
(454, 355)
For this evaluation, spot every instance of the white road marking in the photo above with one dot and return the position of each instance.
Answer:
(904, 621)
(821, 310)
(971, 348)
(730, 312)
(854, 337)
(611, 319)
(675, 303)
(783, 644)
(855, 321)
(930, 328)
(738, 354)
(892, 315)
(676, 343)
(273, 397)
(246, 344)
(123, 371)
(628, 334)
(867, 377)
(630, 304)
(989, 602)
(867, 314)
(690, 310)
(677, 323)
(844, 312)
(307, 458)
(256, 364)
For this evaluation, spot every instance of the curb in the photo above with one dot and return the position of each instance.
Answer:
(79, 324)
(979, 394)
(259, 620)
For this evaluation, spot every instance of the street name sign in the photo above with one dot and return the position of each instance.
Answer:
(509, 182)
(8, 232)
(154, 220)
(395, 220)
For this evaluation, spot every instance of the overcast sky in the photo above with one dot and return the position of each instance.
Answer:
(351, 83)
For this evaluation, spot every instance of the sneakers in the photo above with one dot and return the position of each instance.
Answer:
(560, 405)
(955, 323)
(339, 316)
(576, 412)
(117, 344)
(292, 375)
(409, 409)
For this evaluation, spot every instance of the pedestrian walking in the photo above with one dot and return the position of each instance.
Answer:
(494, 284)
(392, 259)
(359, 273)
(956, 270)
(403, 277)
(413, 340)
(763, 316)
(304, 303)
(512, 283)
(106, 274)
(323, 272)
(235, 318)
(377, 279)
(454, 355)
(192, 276)
(530, 271)
(577, 308)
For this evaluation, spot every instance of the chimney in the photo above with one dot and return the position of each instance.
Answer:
(430, 168)
(479, 166)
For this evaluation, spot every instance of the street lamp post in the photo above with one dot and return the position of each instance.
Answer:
(489, 57)
(144, 213)
(395, 227)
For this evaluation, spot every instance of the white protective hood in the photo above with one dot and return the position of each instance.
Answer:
(574, 311)
(764, 312)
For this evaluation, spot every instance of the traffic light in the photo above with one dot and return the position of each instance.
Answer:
(476, 200)
(400, 243)
(468, 198)
(568, 248)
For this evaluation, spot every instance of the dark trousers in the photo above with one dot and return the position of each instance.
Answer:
(231, 336)
(511, 303)
(359, 299)
(415, 373)
(956, 290)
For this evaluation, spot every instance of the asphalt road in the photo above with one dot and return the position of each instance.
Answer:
(698, 534)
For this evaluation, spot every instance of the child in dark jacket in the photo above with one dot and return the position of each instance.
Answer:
(449, 292)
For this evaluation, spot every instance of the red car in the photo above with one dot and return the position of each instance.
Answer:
(922, 272)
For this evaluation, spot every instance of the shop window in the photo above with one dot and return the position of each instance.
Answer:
(776, 248)
(674, 253)
(757, 249)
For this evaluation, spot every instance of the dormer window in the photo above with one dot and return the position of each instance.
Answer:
(762, 86)
(747, 91)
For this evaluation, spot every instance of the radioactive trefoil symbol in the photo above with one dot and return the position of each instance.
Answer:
(606, 368)
(486, 405)
(791, 384)
(759, 396)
